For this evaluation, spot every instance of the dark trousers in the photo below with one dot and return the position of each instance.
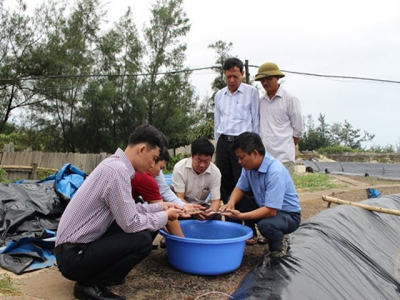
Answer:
(227, 163)
(271, 228)
(109, 258)
(229, 166)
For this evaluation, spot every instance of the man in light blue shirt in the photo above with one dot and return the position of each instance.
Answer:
(236, 111)
(275, 206)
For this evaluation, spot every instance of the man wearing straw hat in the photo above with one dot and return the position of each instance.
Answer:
(281, 124)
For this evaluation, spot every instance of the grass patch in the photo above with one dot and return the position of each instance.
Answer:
(7, 287)
(313, 182)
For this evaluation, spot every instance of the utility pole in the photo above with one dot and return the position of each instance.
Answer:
(246, 67)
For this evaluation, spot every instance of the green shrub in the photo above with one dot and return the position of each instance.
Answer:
(3, 175)
(337, 149)
(173, 160)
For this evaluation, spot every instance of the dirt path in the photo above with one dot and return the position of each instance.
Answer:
(154, 278)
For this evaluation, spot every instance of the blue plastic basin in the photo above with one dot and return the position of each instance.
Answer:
(208, 248)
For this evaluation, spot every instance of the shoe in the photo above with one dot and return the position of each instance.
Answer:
(163, 243)
(251, 241)
(96, 292)
(286, 237)
(282, 252)
(112, 282)
(262, 241)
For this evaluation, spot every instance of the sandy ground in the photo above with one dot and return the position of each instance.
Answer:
(154, 278)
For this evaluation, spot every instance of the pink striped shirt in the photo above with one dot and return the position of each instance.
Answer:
(106, 196)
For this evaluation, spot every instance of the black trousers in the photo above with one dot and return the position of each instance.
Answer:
(229, 166)
(230, 169)
(109, 258)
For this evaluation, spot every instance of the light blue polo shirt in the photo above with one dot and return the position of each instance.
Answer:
(271, 184)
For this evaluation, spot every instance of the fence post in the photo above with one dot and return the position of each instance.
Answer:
(34, 173)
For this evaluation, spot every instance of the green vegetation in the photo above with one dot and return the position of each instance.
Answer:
(336, 135)
(78, 88)
(7, 287)
(3, 175)
(173, 160)
(44, 173)
(313, 182)
(337, 149)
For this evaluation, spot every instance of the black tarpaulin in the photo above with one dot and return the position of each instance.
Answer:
(344, 252)
(378, 170)
(27, 209)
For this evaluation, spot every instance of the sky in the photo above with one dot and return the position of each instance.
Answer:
(355, 38)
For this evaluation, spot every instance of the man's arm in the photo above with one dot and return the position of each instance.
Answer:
(255, 110)
(215, 205)
(216, 116)
(296, 120)
(296, 140)
(167, 194)
(181, 196)
(236, 196)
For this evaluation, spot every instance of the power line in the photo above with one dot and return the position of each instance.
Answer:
(343, 77)
(337, 76)
(191, 70)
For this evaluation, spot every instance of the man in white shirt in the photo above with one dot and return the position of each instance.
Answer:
(196, 179)
(236, 111)
(281, 124)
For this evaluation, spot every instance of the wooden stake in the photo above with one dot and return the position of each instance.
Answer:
(365, 206)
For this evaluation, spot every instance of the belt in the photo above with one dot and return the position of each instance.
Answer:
(64, 247)
(228, 138)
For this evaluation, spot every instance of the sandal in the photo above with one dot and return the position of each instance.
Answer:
(262, 241)
(251, 241)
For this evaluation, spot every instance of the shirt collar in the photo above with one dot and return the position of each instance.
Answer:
(239, 89)
(265, 163)
(279, 93)
(125, 160)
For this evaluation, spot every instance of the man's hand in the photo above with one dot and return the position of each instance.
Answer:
(190, 206)
(189, 210)
(232, 213)
(167, 205)
(228, 206)
(173, 213)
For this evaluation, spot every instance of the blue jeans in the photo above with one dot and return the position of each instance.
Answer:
(273, 228)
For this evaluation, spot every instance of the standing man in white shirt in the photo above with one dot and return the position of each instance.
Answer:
(236, 111)
(281, 123)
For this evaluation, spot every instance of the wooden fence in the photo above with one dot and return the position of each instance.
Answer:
(28, 164)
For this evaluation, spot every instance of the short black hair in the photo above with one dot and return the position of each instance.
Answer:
(233, 62)
(248, 142)
(202, 146)
(164, 155)
(146, 134)
(165, 140)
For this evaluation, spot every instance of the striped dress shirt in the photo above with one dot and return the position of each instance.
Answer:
(105, 196)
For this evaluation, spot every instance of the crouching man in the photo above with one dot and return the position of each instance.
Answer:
(275, 206)
(103, 233)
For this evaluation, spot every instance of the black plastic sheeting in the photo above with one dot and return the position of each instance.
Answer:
(344, 252)
(27, 209)
(353, 168)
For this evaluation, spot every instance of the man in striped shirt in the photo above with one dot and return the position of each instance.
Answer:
(103, 233)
